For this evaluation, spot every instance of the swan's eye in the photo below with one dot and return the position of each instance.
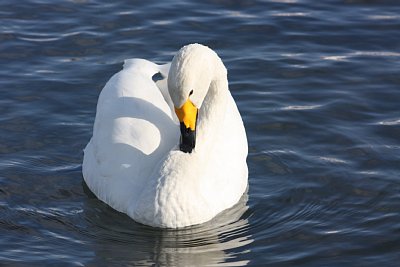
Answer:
(191, 93)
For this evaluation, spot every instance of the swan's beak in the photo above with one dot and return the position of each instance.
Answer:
(187, 115)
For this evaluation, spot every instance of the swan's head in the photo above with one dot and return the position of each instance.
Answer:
(189, 78)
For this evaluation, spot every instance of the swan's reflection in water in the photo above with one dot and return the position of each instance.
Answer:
(116, 239)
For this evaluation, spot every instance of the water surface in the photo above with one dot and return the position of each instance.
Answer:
(317, 84)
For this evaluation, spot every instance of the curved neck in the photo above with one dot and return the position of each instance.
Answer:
(213, 110)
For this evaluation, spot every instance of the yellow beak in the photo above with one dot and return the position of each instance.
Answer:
(187, 114)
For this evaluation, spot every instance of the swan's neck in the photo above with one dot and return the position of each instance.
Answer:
(212, 112)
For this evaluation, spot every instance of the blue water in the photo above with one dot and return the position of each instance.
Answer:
(318, 87)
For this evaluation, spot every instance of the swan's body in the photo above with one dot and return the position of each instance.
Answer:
(133, 162)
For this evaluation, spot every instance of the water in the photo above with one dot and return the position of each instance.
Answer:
(317, 84)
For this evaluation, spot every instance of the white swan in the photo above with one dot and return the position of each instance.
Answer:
(133, 161)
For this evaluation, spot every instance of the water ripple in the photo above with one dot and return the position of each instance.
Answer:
(316, 84)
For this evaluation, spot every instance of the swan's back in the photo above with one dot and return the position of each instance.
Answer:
(133, 129)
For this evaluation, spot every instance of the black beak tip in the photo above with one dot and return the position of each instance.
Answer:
(188, 139)
(185, 148)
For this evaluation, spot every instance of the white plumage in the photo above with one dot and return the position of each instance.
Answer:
(133, 162)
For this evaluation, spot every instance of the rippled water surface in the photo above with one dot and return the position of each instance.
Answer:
(318, 87)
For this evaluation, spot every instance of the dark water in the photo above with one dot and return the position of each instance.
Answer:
(318, 86)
